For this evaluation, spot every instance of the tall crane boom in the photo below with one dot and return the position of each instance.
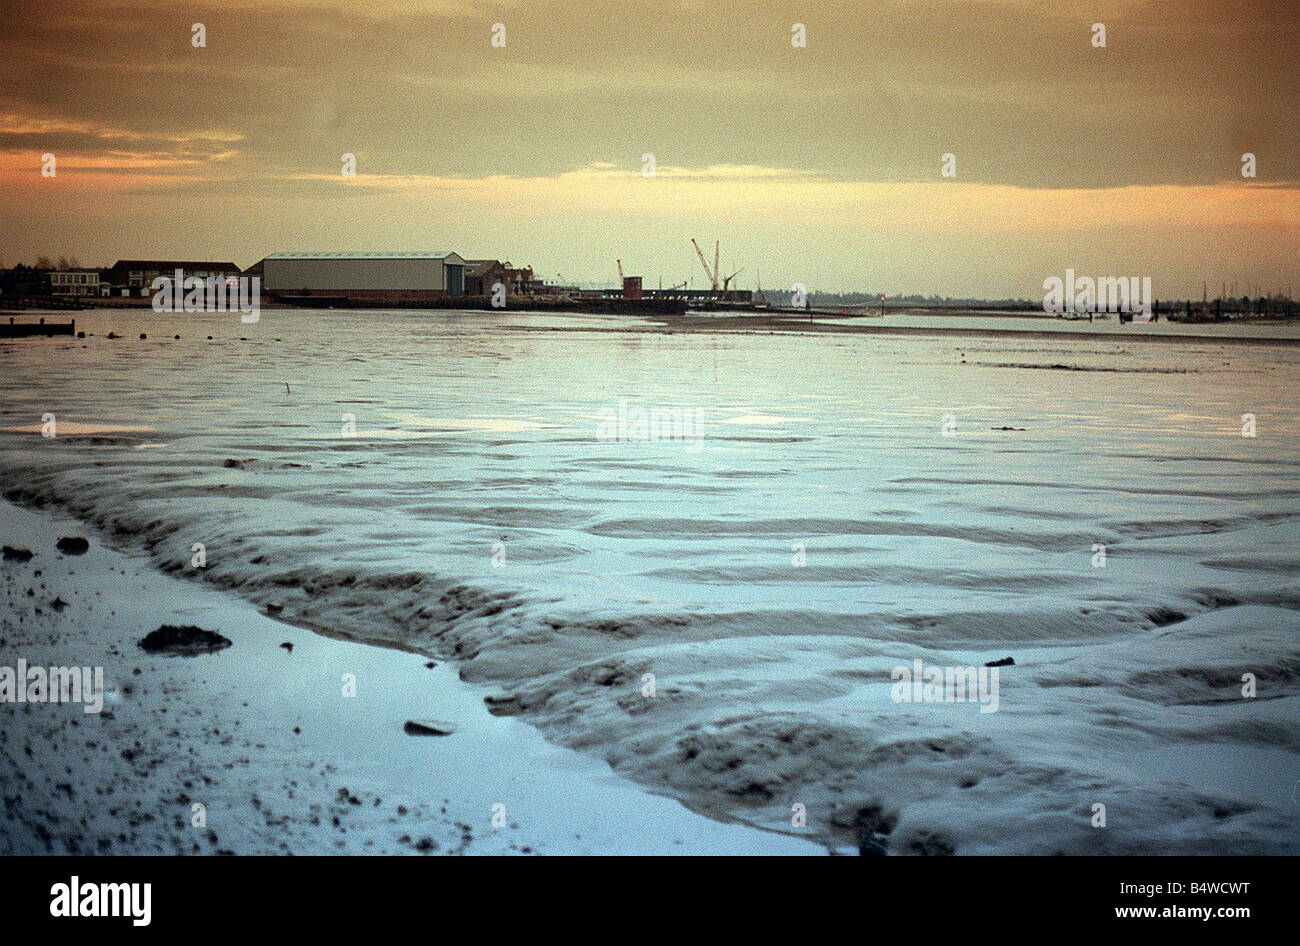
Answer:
(713, 279)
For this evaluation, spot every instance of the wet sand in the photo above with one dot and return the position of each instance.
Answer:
(263, 738)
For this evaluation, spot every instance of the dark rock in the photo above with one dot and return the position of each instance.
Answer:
(72, 545)
(185, 641)
(288, 645)
(143, 336)
(504, 705)
(1007, 428)
(928, 844)
(12, 554)
(1004, 662)
(428, 728)
(874, 827)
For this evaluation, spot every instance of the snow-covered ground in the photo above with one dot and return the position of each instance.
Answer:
(448, 484)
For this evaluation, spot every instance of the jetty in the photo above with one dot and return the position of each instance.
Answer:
(29, 329)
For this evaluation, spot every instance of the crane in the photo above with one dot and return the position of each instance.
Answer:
(726, 283)
(711, 273)
(621, 277)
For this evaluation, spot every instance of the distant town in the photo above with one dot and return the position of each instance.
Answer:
(402, 278)
(445, 279)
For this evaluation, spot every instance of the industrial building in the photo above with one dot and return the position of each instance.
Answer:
(482, 274)
(135, 276)
(390, 278)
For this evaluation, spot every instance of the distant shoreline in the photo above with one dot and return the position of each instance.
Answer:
(790, 322)
(802, 325)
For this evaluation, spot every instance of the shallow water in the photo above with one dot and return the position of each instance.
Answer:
(1106, 327)
(443, 481)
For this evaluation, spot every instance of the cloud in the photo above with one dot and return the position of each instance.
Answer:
(1050, 135)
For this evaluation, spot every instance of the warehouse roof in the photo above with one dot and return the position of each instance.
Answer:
(173, 264)
(400, 254)
(480, 267)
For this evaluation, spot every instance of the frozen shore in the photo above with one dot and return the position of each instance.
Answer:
(443, 487)
(263, 738)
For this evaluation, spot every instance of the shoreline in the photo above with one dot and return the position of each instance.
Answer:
(797, 326)
(265, 740)
(766, 700)
(783, 323)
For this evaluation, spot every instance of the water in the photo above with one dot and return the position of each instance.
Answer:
(436, 480)
(1109, 326)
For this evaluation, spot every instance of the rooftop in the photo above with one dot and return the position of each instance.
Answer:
(172, 264)
(399, 254)
(478, 267)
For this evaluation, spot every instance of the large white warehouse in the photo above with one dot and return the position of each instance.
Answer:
(380, 277)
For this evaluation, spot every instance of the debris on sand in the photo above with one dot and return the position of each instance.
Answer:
(428, 728)
(288, 645)
(72, 545)
(1007, 428)
(12, 554)
(183, 641)
(1004, 662)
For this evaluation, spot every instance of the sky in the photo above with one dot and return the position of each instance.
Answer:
(819, 164)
